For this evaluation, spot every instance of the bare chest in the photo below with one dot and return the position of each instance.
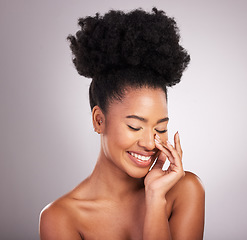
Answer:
(113, 221)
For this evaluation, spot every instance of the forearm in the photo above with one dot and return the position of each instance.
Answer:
(156, 226)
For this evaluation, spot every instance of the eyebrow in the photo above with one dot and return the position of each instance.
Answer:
(145, 120)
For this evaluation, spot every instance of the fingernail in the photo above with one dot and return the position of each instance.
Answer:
(157, 136)
(156, 140)
(177, 133)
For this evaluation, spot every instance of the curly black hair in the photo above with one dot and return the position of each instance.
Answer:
(121, 50)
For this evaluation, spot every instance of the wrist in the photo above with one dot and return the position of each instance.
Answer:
(155, 199)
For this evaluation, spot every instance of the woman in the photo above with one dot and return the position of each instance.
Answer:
(132, 58)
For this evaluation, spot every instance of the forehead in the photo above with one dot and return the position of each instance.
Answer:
(145, 102)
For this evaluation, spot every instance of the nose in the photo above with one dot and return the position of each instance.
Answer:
(146, 140)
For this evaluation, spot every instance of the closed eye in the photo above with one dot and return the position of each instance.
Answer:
(135, 129)
(163, 131)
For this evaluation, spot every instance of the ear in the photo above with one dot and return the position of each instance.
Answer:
(98, 118)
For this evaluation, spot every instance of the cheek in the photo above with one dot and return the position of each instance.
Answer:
(125, 138)
(164, 136)
(120, 138)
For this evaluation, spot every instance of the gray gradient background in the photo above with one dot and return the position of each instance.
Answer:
(47, 141)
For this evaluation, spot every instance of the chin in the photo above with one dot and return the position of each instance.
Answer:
(137, 172)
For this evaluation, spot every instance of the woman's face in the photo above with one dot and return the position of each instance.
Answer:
(130, 128)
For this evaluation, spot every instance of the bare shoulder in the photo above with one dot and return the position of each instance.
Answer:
(191, 184)
(187, 220)
(188, 190)
(56, 211)
(58, 221)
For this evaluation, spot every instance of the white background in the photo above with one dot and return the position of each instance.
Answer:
(47, 143)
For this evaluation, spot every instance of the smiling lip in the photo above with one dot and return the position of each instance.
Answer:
(140, 159)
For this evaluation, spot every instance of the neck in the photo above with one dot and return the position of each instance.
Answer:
(109, 181)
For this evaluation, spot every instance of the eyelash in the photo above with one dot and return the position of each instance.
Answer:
(137, 129)
(161, 131)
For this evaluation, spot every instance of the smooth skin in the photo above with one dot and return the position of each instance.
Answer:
(122, 200)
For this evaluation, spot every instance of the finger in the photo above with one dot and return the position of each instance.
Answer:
(161, 146)
(160, 161)
(178, 144)
(176, 157)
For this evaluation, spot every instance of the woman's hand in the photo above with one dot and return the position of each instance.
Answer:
(158, 182)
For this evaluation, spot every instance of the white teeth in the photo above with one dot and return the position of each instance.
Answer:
(140, 157)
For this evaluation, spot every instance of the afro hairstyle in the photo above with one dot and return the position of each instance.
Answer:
(133, 49)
